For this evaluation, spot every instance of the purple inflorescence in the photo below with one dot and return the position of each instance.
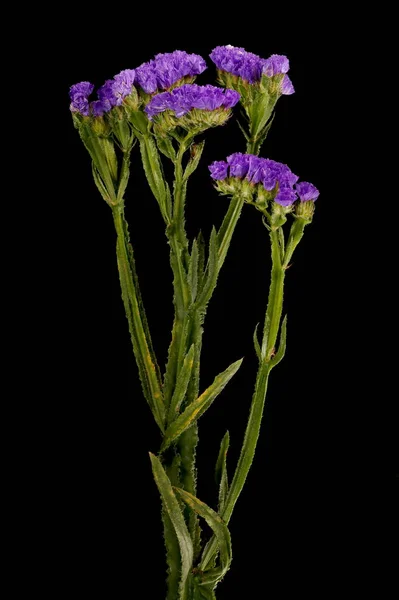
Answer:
(250, 67)
(183, 99)
(79, 95)
(166, 69)
(306, 191)
(267, 172)
(109, 95)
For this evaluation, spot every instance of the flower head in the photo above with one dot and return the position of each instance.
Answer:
(238, 61)
(307, 191)
(79, 94)
(274, 177)
(275, 65)
(166, 69)
(189, 96)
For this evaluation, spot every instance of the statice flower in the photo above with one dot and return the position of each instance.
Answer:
(250, 67)
(79, 94)
(190, 96)
(307, 191)
(269, 174)
(238, 61)
(275, 65)
(166, 69)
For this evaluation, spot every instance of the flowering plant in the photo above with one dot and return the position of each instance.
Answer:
(159, 107)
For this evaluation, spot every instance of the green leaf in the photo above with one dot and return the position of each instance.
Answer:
(199, 406)
(256, 343)
(227, 228)
(193, 271)
(171, 506)
(220, 530)
(263, 134)
(201, 261)
(153, 171)
(165, 146)
(181, 385)
(196, 153)
(139, 121)
(212, 272)
(260, 113)
(221, 472)
(243, 130)
(282, 346)
(99, 183)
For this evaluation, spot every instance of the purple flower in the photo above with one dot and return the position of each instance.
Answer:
(166, 69)
(186, 97)
(106, 95)
(286, 86)
(259, 170)
(275, 65)
(238, 163)
(307, 191)
(286, 196)
(79, 94)
(97, 108)
(218, 169)
(238, 61)
(146, 77)
(122, 85)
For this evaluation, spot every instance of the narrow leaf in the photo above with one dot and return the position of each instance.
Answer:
(220, 530)
(175, 514)
(256, 343)
(153, 171)
(243, 130)
(263, 134)
(201, 261)
(221, 472)
(282, 346)
(193, 271)
(199, 406)
(227, 228)
(196, 153)
(212, 272)
(181, 385)
(165, 146)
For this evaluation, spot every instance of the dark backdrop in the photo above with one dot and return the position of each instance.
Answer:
(299, 520)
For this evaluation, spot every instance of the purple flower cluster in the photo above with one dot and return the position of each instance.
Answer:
(267, 172)
(250, 67)
(79, 95)
(110, 94)
(166, 69)
(183, 99)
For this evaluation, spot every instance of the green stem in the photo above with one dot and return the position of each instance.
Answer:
(296, 233)
(272, 324)
(141, 347)
(275, 302)
(246, 456)
(251, 146)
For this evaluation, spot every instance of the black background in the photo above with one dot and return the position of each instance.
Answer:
(303, 517)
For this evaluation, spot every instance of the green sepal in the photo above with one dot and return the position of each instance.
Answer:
(199, 406)
(282, 345)
(181, 385)
(221, 472)
(221, 532)
(171, 506)
(196, 153)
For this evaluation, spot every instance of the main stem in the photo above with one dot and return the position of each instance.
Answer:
(275, 302)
